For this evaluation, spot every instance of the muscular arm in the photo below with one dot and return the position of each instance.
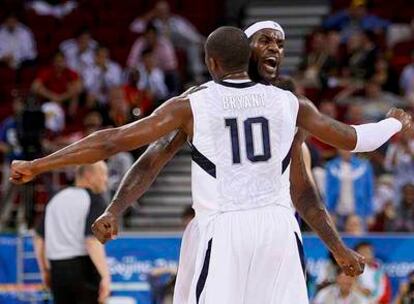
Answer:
(361, 138)
(144, 171)
(308, 203)
(325, 128)
(174, 114)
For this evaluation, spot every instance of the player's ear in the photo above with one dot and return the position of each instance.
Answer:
(211, 65)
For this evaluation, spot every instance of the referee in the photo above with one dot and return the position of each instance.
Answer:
(71, 260)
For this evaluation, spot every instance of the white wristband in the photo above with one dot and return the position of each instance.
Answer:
(373, 135)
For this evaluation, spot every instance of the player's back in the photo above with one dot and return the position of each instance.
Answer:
(242, 137)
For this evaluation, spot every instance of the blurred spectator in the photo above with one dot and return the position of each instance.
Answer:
(17, 44)
(101, 77)
(181, 32)
(58, 83)
(407, 78)
(405, 36)
(91, 123)
(375, 102)
(406, 291)
(119, 111)
(373, 282)
(164, 55)
(355, 114)
(344, 291)
(349, 186)
(361, 55)
(319, 64)
(385, 219)
(80, 51)
(354, 225)
(139, 100)
(54, 117)
(404, 222)
(355, 18)
(386, 76)
(399, 161)
(57, 9)
(384, 192)
(10, 145)
(151, 78)
(333, 43)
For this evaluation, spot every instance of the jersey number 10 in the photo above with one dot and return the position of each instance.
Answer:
(248, 133)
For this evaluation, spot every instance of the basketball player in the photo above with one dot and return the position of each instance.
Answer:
(241, 134)
(264, 36)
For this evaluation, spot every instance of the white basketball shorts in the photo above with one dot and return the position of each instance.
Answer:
(252, 256)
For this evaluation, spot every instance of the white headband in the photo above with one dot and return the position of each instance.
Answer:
(255, 27)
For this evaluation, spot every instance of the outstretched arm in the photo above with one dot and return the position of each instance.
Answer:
(362, 138)
(310, 207)
(144, 171)
(174, 114)
(136, 181)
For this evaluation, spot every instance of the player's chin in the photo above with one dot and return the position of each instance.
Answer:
(268, 73)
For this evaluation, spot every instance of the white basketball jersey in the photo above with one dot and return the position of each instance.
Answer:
(243, 133)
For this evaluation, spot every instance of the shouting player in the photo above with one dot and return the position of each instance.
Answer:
(241, 134)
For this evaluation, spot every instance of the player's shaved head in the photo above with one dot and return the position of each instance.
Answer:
(229, 47)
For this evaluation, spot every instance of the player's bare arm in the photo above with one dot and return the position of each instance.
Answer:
(363, 138)
(310, 207)
(174, 114)
(136, 181)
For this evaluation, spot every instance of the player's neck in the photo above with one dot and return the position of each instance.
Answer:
(235, 76)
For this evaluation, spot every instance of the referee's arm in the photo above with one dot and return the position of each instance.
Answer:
(97, 254)
(39, 246)
(96, 250)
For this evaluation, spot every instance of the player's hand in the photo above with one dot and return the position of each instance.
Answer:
(104, 289)
(22, 172)
(402, 116)
(351, 262)
(105, 227)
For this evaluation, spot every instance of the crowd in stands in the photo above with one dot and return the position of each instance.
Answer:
(80, 66)
(357, 67)
(69, 68)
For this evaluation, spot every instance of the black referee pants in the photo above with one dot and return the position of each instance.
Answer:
(74, 281)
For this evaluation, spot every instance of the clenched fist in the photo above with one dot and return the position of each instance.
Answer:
(402, 116)
(22, 172)
(351, 262)
(105, 227)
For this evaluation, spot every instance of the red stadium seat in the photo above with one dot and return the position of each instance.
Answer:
(120, 55)
(27, 76)
(41, 23)
(107, 36)
(7, 76)
(79, 19)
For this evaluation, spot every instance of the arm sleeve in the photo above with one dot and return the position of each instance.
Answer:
(371, 136)
(96, 208)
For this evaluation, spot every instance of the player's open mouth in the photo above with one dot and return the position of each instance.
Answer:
(270, 63)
